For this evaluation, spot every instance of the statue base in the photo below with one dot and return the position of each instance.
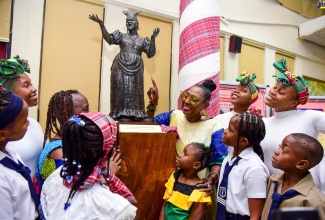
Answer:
(148, 159)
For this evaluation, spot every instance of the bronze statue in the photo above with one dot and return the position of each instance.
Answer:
(127, 96)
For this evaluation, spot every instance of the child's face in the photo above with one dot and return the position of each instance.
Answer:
(26, 90)
(230, 134)
(286, 157)
(241, 95)
(17, 129)
(80, 103)
(187, 159)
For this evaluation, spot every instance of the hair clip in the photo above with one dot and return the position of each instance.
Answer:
(77, 120)
(206, 147)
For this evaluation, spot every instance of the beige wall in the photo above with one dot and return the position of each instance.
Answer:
(5, 15)
(71, 52)
(158, 66)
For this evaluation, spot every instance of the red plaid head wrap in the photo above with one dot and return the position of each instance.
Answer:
(109, 130)
(286, 78)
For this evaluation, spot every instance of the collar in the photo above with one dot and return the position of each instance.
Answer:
(303, 186)
(284, 114)
(245, 154)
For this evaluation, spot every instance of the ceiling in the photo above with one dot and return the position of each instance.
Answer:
(314, 29)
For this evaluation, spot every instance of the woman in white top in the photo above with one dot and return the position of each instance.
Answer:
(14, 77)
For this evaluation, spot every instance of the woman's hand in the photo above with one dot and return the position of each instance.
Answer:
(95, 18)
(114, 162)
(153, 93)
(155, 33)
(205, 185)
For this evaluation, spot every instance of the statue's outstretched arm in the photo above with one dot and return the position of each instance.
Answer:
(105, 33)
(152, 46)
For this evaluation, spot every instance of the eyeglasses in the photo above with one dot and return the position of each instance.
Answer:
(192, 98)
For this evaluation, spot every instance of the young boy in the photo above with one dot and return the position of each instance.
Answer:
(295, 187)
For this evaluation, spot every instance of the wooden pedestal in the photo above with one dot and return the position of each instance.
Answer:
(148, 159)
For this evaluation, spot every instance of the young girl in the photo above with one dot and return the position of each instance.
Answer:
(243, 177)
(88, 190)
(61, 107)
(183, 199)
(18, 196)
(245, 94)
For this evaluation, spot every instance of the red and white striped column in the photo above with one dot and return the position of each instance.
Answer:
(199, 54)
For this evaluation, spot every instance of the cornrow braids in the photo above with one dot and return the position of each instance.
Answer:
(204, 154)
(252, 127)
(60, 109)
(82, 149)
(5, 96)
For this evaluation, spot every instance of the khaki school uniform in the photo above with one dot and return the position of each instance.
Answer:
(309, 195)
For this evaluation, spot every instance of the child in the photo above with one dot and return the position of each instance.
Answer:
(245, 94)
(295, 187)
(61, 107)
(183, 199)
(243, 177)
(88, 190)
(18, 196)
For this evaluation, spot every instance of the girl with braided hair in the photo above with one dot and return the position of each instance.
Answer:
(61, 107)
(243, 177)
(87, 139)
(18, 196)
(183, 198)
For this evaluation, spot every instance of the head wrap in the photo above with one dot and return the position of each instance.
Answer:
(109, 130)
(247, 79)
(10, 113)
(131, 15)
(11, 69)
(286, 78)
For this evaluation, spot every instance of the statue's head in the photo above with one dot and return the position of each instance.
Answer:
(131, 20)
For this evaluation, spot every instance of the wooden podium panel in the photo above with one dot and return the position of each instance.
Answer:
(148, 159)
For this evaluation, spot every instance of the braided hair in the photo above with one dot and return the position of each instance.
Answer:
(82, 144)
(252, 127)
(5, 96)
(208, 86)
(60, 109)
(204, 154)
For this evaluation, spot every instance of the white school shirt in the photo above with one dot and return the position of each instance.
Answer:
(96, 202)
(277, 127)
(16, 200)
(246, 180)
(30, 146)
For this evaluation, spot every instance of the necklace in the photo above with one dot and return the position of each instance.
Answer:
(133, 44)
(188, 130)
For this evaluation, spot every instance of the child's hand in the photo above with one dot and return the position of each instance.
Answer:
(205, 185)
(114, 162)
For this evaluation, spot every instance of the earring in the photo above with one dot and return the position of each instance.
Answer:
(203, 114)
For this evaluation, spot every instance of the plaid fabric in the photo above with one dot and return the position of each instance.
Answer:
(184, 4)
(199, 39)
(109, 130)
(248, 79)
(11, 69)
(199, 54)
(286, 78)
